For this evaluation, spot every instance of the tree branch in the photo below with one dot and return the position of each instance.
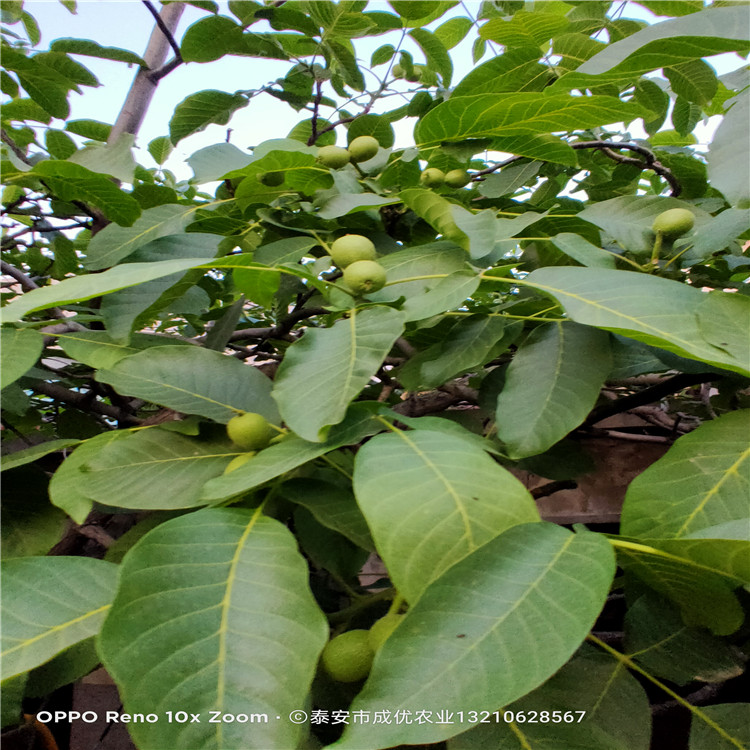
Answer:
(142, 91)
(26, 283)
(164, 29)
(280, 329)
(84, 401)
(649, 395)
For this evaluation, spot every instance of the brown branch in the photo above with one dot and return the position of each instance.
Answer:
(649, 395)
(280, 329)
(84, 401)
(164, 29)
(9, 142)
(26, 283)
(142, 90)
(649, 162)
(552, 487)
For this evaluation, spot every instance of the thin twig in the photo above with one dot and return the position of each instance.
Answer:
(164, 29)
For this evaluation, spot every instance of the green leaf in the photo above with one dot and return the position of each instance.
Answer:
(155, 469)
(702, 593)
(21, 348)
(28, 455)
(113, 244)
(603, 688)
(342, 52)
(25, 109)
(452, 31)
(671, 42)
(65, 487)
(97, 131)
(436, 211)
(31, 526)
(160, 148)
(47, 87)
(695, 80)
(197, 111)
(213, 162)
(447, 294)
(193, 381)
(301, 173)
(551, 385)
(628, 218)
(59, 144)
(647, 308)
(458, 646)
(375, 125)
(325, 369)
(724, 320)
(729, 155)
(485, 229)
(98, 350)
(348, 203)
(508, 180)
(519, 114)
(137, 306)
(290, 453)
(71, 182)
(332, 505)
(733, 721)
(49, 604)
(437, 55)
(466, 346)
(289, 250)
(421, 12)
(229, 626)
(514, 71)
(81, 288)
(211, 38)
(115, 159)
(94, 49)
(658, 640)
(580, 249)
(524, 29)
(702, 481)
(438, 489)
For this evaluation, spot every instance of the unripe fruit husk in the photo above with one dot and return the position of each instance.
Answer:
(673, 223)
(363, 148)
(364, 276)
(415, 75)
(350, 248)
(382, 628)
(271, 179)
(432, 177)
(238, 461)
(398, 71)
(457, 178)
(250, 431)
(333, 157)
(348, 657)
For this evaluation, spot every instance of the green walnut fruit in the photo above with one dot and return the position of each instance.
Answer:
(333, 157)
(416, 74)
(673, 223)
(238, 461)
(348, 657)
(381, 629)
(432, 177)
(350, 248)
(271, 179)
(364, 276)
(398, 71)
(363, 148)
(250, 431)
(457, 178)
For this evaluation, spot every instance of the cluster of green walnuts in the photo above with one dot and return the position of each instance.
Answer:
(362, 148)
(356, 256)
